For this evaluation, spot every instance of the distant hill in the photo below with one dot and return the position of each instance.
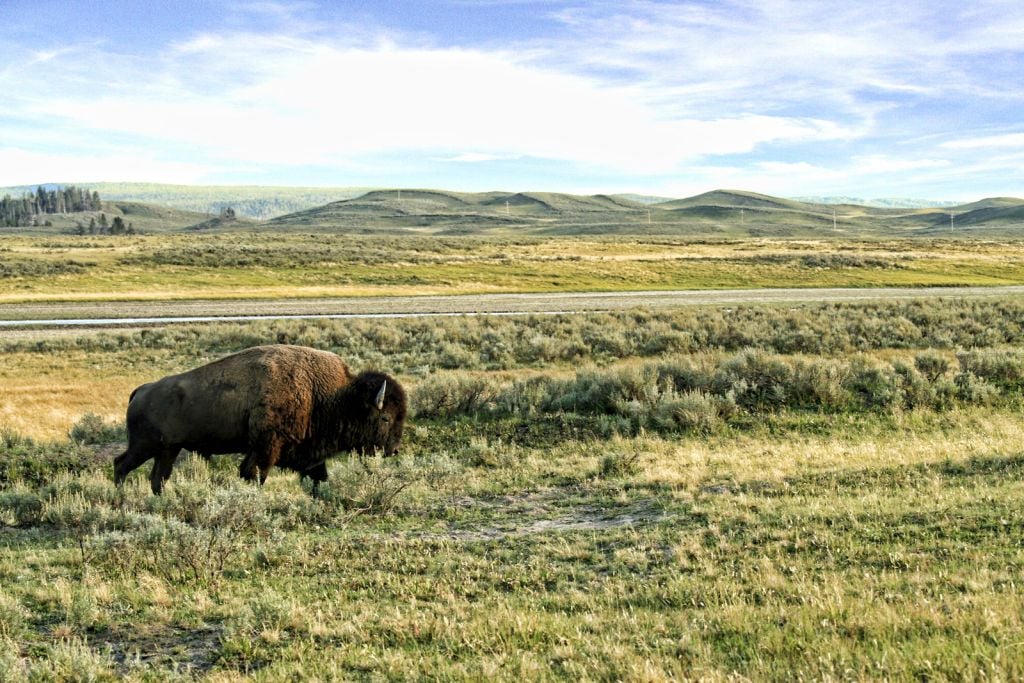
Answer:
(444, 212)
(251, 201)
(642, 198)
(140, 217)
(719, 213)
(879, 203)
(725, 213)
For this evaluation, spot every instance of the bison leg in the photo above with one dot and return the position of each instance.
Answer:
(128, 462)
(317, 473)
(248, 469)
(163, 464)
(260, 459)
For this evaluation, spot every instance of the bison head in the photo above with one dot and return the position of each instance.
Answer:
(380, 405)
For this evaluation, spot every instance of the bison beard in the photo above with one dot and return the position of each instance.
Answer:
(289, 406)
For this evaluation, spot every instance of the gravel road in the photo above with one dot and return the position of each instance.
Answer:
(98, 315)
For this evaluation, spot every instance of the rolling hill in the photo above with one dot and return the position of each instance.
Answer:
(456, 212)
(726, 213)
(720, 213)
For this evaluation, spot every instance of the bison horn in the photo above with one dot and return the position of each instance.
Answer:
(380, 395)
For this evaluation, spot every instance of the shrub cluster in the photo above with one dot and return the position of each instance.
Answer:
(16, 269)
(209, 521)
(255, 250)
(832, 261)
(28, 460)
(420, 346)
(703, 393)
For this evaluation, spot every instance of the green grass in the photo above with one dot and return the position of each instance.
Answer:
(268, 265)
(814, 557)
(859, 539)
(752, 492)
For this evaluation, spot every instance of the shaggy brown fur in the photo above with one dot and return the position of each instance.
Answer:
(283, 405)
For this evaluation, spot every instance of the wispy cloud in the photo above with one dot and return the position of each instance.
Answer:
(289, 100)
(1010, 140)
(26, 167)
(477, 157)
(639, 95)
(781, 55)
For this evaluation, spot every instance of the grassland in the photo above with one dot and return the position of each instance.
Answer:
(758, 492)
(275, 265)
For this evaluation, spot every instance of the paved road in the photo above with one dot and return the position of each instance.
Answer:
(132, 314)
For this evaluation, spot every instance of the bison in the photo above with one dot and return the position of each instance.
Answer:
(283, 405)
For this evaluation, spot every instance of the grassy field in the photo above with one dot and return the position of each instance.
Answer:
(269, 265)
(763, 492)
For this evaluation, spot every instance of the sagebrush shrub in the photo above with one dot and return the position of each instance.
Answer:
(694, 411)
(932, 364)
(620, 463)
(974, 390)
(756, 380)
(820, 384)
(1003, 367)
(20, 505)
(874, 384)
(448, 394)
(93, 429)
(369, 485)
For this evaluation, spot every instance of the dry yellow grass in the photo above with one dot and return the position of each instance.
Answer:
(43, 395)
(748, 459)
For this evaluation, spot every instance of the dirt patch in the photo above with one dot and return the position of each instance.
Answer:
(194, 651)
(539, 513)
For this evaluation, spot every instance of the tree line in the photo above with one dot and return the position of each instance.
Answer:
(25, 210)
(114, 227)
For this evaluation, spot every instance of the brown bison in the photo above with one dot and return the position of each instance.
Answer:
(289, 406)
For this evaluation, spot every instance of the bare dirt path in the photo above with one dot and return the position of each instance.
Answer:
(85, 315)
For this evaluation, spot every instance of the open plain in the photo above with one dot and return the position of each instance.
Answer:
(805, 465)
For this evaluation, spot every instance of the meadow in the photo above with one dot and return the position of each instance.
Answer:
(240, 264)
(821, 491)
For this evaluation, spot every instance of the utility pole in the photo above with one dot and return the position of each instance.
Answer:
(648, 216)
(951, 221)
(508, 212)
(835, 227)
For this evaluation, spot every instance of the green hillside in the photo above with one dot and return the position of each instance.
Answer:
(726, 213)
(720, 213)
(457, 212)
(141, 218)
(733, 199)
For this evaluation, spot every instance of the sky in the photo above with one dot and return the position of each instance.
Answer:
(916, 98)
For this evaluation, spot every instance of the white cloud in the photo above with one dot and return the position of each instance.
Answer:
(303, 102)
(477, 157)
(784, 54)
(1010, 140)
(701, 94)
(883, 164)
(26, 167)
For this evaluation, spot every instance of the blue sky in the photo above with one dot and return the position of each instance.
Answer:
(869, 99)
